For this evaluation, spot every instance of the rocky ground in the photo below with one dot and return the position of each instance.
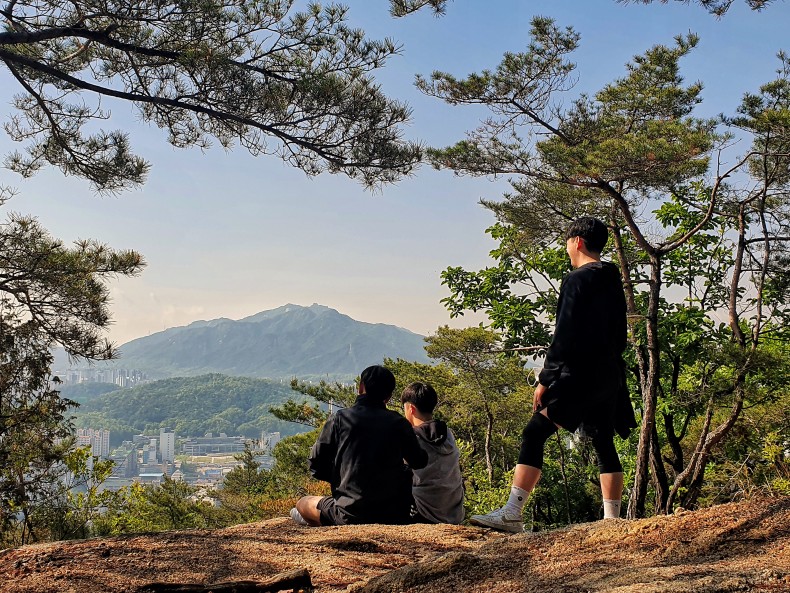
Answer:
(736, 547)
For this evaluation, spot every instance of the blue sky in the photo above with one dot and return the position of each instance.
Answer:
(228, 235)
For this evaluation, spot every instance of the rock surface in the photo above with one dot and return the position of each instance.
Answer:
(735, 547)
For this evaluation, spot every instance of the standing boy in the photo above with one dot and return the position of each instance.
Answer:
(438, 488)
(360, 452)
(582, 378)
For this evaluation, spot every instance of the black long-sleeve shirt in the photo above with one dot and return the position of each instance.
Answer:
(591, 333)
(360, 452)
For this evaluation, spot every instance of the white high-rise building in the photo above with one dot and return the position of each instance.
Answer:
(98, 440)
(167, 445)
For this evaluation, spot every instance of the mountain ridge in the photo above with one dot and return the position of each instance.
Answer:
(292, 340)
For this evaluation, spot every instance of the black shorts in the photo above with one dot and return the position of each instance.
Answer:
(572, 404)
(331, 514)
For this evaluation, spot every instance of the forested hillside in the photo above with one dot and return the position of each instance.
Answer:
(191, 406)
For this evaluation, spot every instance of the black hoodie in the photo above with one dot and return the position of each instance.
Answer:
(584, 363)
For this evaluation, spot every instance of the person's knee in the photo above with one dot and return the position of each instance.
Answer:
(533, 440)
(610, 465)
(608, 459)
(301, 505)
(307, 506)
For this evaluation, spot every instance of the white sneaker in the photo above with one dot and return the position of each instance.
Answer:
(500, 520)
(297, 518)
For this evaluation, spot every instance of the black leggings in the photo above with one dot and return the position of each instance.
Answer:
(540, 428)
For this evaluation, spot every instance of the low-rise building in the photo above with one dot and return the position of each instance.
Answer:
(210, 445)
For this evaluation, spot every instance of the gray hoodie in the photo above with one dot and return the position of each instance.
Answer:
(438, 488)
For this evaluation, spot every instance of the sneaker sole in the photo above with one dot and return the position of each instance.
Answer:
(515, 528)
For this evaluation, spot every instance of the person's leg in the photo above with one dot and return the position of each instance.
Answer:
(307, 508)
(612, 485)
(525, 478)
(611, 474)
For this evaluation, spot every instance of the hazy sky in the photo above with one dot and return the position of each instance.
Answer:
(228, 235)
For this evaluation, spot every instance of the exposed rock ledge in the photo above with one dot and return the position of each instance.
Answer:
(735, 547)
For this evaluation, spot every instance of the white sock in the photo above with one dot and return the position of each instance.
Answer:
(611, 509)
(297, 518)
(516, 501)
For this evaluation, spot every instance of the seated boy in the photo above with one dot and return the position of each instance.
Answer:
(360, 452)
(438, 488)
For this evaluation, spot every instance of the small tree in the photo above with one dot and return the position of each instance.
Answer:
(49, 294)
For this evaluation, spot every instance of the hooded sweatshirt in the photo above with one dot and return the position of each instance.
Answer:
(438, 488)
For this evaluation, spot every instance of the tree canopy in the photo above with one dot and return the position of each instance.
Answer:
(252, 73)
(715, 7)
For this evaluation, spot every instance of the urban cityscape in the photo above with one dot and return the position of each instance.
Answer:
(199, 461)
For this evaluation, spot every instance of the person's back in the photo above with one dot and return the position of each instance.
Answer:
(599, 332)
(360, 452)
(437, 488)
(361, 456)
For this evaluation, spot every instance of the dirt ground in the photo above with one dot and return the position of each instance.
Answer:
(735, 547)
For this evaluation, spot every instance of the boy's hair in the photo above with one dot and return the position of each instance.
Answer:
(422, 395)
(379, 382)
(591, 230)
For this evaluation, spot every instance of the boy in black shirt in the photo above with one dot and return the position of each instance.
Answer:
(583, 380)
(360, 452)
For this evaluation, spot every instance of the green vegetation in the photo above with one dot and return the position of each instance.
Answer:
(84, 392)
(246, 73)
(192, 406)
(49, 294)
(691, 243)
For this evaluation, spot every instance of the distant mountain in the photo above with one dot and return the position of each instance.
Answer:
(292, 340)
(191, 406)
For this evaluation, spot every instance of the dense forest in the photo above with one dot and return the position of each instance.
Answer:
(192, 406)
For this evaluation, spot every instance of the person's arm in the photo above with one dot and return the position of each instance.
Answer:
(322, 456)
(413, 454)
(563, 343)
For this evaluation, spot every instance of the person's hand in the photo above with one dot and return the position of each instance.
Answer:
(540, 389)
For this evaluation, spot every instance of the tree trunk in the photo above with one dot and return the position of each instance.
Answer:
(684, 477)
(564, 478)
(636, 502)
(295, 580)
(488, 444)
(660, 481)
(674, 442)
(714, 438)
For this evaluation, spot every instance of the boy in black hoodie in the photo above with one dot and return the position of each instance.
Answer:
(360, 452)
(438, 488)
(582, 383)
